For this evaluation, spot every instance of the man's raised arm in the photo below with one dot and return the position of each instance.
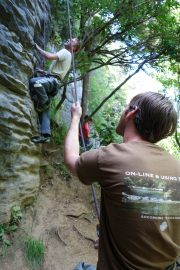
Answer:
(71, 145)
(47, 55)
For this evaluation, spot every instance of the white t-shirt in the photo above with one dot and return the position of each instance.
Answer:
(61, 66)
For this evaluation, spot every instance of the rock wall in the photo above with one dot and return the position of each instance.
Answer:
(22, 22)
(65, 112)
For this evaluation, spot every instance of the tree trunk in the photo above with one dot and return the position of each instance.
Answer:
(85, 92)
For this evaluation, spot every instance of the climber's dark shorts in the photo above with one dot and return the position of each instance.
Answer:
(41, 90)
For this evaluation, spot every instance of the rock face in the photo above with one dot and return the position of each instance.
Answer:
(65, 113)
(21, 24)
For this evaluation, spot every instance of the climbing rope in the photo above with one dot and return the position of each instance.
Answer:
(76, 99)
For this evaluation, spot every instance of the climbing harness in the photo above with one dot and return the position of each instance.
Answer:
(76, 99)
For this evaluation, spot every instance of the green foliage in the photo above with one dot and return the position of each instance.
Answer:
(59, 25)
(58, 130)
(170, 145)
(34, 252)
(7, 229)
(63, 171)
(16, 214)
(107, 126)
(168, 75)
(48, 170)
(59, 133)
(166, 26)
(144, 29)
(105, 121)
(4, 241)
(59, 20)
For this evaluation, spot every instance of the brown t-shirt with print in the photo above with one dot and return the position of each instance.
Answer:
(140, 204)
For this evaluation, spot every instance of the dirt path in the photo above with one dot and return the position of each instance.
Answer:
(63, 217)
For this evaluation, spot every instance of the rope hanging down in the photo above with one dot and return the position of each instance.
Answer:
(76, 99)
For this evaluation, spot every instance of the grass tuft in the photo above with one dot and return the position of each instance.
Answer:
(34, 252)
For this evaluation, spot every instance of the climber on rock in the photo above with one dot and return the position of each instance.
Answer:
(44, 87)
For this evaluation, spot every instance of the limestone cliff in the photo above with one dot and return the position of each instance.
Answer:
(21, 24)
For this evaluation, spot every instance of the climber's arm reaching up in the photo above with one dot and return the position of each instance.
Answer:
(47, 55)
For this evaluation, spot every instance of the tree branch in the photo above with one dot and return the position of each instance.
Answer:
(63, 97)
(117, 88)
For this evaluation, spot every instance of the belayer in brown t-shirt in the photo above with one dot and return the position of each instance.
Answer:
(140, 183)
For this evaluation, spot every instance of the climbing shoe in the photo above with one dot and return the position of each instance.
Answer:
(41, 139)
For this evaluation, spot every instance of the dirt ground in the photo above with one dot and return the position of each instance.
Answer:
(63, 216)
